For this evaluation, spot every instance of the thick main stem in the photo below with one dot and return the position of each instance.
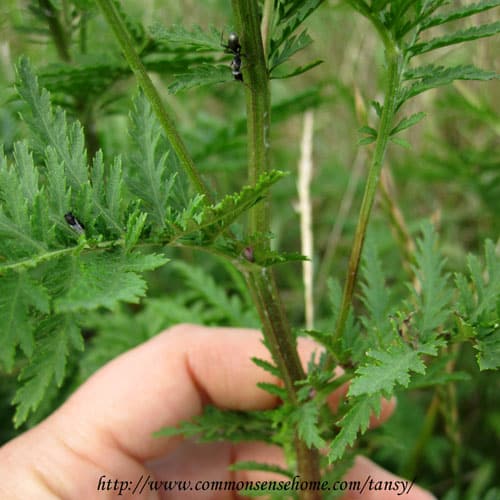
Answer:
(262, 284)
(394, 61)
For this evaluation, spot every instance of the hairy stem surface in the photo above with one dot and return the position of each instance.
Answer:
(262, 283)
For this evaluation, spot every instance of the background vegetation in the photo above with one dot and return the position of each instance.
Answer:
(450, 175)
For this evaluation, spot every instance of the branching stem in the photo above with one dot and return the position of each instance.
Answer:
(123, 37)
(394, 61)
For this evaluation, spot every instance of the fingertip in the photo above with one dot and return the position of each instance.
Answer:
(380, 484)
(387, 407)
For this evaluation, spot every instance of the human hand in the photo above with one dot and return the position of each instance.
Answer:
(103, 433)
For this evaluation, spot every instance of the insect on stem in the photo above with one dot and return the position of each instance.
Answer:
(233, 47)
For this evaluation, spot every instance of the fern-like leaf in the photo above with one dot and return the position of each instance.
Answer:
(51, 127)
(292, 45)
(435, 294)
(431, 76)
(375, 295)
(478, 307)
(218, 425)
(460, 36)
(388, 368)
(407, 123)
(220, 308)
(58, 335)
(196, 38)
(204, 74)
(19, 295)
(103, 280)
(459, 13)
(356, 420)
(151, 175)
(306, 417)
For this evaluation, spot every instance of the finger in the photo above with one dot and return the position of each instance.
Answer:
(168, 380)
(380, 484)
(200, 471)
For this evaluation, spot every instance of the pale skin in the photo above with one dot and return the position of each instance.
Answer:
(105, 428)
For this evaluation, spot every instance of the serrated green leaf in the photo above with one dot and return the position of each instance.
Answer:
(368, 130)
(387, 368)
(375, 295)
(356, 420)
(103, 280)
(460, 13)
(63, 144)
(366, 140)
(377, 107)
(430, 76)
(460, 36)
(289, 17)
(25, 243)
(135, 226)
(51, 127)
(205, 74)
(488, 347)
(18, 295)
(151, 176)
(220, 308)
(115, 193)
(372, 135)
(407, 122)
(82, 80)
(196, 38)
(273, 389)
(400, 142)
(28, 175)
(107, 194)
(271, 258)
(435, 294)
(306, 417)
(292, 45)
(219, 425)
(265, 365)
(488, 290)
(20, 199)
(297, 71)
(208, 222)
(478, 305)
(48, 363)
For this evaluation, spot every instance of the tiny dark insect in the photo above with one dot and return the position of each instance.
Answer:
(74, 223)
(233, 47)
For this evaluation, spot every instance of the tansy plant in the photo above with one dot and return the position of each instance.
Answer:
(82, 229)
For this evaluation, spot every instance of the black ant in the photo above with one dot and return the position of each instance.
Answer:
(233, 47)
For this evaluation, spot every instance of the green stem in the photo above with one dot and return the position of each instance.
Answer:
(124, 39)
(410, 468)
(258, 105)
(57, 30)
(262, 283)
(394, 64)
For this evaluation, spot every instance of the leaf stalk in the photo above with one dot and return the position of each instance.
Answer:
(394, 59)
